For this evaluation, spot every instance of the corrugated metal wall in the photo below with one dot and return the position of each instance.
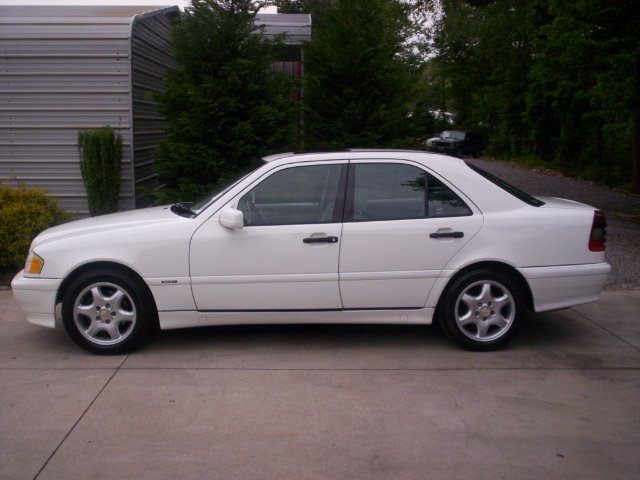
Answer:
(66, 68)
(150, 58)
(63, 69)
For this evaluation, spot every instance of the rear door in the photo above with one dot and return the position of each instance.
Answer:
(402, 225)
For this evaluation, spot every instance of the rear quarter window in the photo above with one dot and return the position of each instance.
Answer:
(507, 187)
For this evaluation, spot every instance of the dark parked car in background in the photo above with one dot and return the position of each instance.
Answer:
(455, 143)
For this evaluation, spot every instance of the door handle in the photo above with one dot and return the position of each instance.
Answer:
(320, 240)
(446, 235)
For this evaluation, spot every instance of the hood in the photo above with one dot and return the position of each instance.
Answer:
(108, 224)
(553, 202)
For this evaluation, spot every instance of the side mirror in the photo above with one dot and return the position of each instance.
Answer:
(231, 218)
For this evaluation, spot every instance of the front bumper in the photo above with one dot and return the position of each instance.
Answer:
(564, 286)
(37, 298)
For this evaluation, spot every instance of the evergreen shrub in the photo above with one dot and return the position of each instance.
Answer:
(100, 163)
(24, 212)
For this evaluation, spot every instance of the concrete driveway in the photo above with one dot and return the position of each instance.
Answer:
(327, 402)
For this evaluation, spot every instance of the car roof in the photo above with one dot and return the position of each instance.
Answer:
(441, 163)
(337, 154)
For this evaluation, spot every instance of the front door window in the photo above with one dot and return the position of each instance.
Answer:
(294, 196)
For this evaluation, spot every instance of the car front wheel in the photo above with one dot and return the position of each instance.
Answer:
(107, 313)
(482, 310)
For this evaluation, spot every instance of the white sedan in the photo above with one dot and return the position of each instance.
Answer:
(361, 236)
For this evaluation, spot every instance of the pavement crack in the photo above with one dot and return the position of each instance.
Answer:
(73, 427)
(607, 330)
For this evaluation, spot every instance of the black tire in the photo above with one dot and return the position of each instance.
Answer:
(108, 312)
(482, 309)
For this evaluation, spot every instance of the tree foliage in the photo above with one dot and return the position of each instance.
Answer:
(359, 76)
(552, 79)
(225, 106)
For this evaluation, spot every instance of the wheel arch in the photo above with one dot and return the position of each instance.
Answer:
(101, 266)
(501, 267)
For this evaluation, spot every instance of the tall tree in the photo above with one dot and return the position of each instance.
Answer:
(225, 106)
(359, 77)
(553, 79)
(584, 93)
(484, 53)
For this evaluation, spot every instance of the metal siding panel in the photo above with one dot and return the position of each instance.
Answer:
(54, 80)
(46, 135)
(151, 58)
(38, 83)
(66, 65)
(42, 13)
(89, 47)
(57, 118)
(61, 32)
(69, 101)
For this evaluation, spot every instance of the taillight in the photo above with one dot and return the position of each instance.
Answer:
(598, 237)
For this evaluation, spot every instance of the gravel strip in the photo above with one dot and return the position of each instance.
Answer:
(621, 209)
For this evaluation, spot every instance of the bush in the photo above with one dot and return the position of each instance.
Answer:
(24, 212)
(100, 164)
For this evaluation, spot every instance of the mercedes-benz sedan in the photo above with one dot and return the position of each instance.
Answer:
(362, 236)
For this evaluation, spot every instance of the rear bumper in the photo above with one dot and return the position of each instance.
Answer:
(564, 286)
(37, 297)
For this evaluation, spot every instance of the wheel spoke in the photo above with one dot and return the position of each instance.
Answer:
(95, 327)
(467, 319)
(499, 321)
(115, 300)
(112, 331)
(122, 317)
(485, 295)
(87, 310)
(483, 329)
(98, 296)
(469, 301)
(501, 302)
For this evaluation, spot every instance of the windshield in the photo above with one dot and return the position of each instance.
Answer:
(515, 191)
(202, 203)
(452, 134)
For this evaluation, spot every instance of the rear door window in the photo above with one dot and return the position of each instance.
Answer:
(397, 191)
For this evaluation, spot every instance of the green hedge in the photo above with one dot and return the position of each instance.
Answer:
(24, 212)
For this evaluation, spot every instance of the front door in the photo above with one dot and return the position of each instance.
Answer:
(286, 256)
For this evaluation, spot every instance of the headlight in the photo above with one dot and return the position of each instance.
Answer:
(33, 264)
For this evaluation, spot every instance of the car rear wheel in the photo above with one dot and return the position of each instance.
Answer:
(107, 312)
(482, 310)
